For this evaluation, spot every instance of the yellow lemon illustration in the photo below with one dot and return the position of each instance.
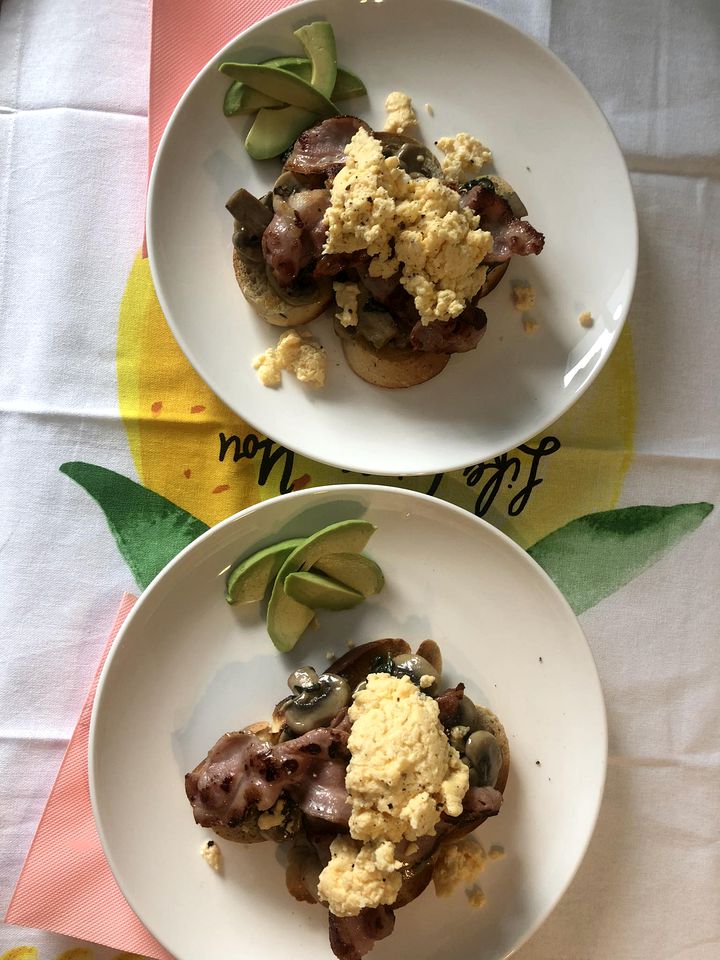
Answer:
(174, 422)
(20, 953)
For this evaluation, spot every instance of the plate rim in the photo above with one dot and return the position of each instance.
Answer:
(340, 490)
(302, 447)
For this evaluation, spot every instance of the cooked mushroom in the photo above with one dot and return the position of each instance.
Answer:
(416, 667)
(357, 663)
(315, 699)
(484, 753)
(251, 217)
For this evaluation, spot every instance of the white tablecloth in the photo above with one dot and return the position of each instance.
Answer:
(73, 104)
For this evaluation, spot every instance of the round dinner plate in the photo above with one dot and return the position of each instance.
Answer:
(549, 140)
(186, 668)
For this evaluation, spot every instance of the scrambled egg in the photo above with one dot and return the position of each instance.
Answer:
(416, 227)
(399, 113)
(457, 863)
(346, 295)
(523, 297)
(402, 775)
(211, 854)
(359, 876)
(476, 897)
(464, 156)
(297, 353)
(273, 817)
(586, 319)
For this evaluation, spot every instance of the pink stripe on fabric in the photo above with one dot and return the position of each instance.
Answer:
(66, 885)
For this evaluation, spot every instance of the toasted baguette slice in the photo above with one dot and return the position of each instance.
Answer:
(253, 282)
(391, 367)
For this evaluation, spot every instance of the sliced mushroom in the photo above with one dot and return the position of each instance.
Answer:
(467, 714)
(251, 218)
(417, 161)
(431, 651)
(315, 700)
(484, 753)
(303, 871)
(357, 663)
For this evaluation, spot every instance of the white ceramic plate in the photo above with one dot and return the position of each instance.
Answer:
(549, 140)
(186, 668)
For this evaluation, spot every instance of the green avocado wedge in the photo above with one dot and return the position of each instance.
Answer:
(320, 592)
(354, 570)
(281, 85)
(273, 131)
(241, 99)
(286, 618)
(250, 578)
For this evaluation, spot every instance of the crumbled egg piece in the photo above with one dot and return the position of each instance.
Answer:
(359, 875)
(458, 736)
(426, 680)
(350, 643)
(456, 864)
(297, 353)
(464, 156)
(586, 319)
(529, 325)
(476, 897)
(496, 852)
(402, 773)
(329, 655)
(399, 112)
(523, 297)
(413, 226)
(273, 817)
(430, 110)
(346, 296)
(212, 855)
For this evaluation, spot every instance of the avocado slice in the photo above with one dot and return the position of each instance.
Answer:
(241, 99)
(354, 570)
(250, 577)
(282, 85)
(286, 618)
(320, 592)
(273, 131)
(318, 40)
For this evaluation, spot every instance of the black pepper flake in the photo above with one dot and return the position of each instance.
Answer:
(540, 659)
(537, 763)
(211, 843)
(390, 806)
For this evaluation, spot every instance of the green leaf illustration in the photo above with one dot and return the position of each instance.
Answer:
(148, 529)
(593, 556)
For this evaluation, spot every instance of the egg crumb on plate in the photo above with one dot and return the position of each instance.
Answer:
(297, 353)
(476, 897)
(212, 855)
(456, 864)
(586, 319)
(464, 156)
(399, 112)
(523, 297)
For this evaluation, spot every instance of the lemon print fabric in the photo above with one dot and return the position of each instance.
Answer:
(75, 953)
(192, 449)
(197, 463)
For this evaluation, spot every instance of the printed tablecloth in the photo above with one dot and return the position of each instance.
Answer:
(615, 499)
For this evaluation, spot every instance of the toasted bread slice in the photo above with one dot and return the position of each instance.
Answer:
(253, 282)
(391, 367)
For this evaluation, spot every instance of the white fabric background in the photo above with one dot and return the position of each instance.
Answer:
(73, 101)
